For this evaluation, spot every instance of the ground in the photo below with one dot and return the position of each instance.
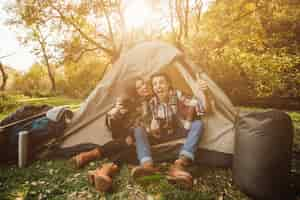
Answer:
(57, 180)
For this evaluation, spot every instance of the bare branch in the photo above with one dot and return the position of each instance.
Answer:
(82, 52)
(198, 8)
(8, 55)
(172, 16)
(186, 17)
(82, 33)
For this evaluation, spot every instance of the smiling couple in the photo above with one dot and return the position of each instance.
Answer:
(157, 113)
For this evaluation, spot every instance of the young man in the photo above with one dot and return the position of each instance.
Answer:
(171, 114)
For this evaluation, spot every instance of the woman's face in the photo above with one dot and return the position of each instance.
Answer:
(160, 87)
(142, 88)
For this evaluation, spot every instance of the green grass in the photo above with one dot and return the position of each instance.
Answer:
(57, 180)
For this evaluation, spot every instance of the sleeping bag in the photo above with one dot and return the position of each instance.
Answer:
(263, 151)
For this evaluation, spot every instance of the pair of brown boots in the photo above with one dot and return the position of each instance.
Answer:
(177, 173)
(101, 178)
(83, 158)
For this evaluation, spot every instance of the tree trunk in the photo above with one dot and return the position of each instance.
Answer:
(4, 77)
(51, 75)
(186, 19)
(50, 72)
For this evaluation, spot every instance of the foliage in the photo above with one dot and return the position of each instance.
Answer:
(252, 44)
(81, 80)
(7, 103)
(34, 82)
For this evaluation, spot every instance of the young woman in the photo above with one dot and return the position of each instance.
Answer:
(121, 120)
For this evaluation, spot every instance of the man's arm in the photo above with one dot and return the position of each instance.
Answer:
(204, 95)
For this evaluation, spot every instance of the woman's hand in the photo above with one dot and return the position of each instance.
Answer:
(129, 140)
(202, 84)
(118, 109)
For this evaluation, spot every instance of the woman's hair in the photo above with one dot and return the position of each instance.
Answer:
(143, 80)
(128, 89)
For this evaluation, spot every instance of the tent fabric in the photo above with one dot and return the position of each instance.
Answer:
(143, 60)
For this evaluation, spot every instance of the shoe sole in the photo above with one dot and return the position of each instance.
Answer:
(91, 177)
(140, 172)
(182, 182)
(102, 183)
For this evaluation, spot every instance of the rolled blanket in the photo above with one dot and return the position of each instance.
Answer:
(57, 113)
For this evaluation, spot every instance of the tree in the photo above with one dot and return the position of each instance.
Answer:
(33, 82)
(4, 77)
(253, 44)
(250, 43)
(3, 73)
(38, 34)
(39, 37)
(184, 17)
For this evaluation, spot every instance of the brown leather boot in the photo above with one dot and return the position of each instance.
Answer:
(83, 158)
(178, 175)
(146, 169)
(101, 178)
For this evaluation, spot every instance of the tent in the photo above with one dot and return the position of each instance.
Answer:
(143, 60)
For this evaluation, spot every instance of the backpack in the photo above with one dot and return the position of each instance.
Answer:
(41, 129)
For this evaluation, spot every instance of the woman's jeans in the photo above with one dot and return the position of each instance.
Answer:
(188, 149)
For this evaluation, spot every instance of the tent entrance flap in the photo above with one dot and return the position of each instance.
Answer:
(177, 80)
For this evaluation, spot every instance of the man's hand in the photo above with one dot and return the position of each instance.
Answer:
(206, 102)
(154, 128)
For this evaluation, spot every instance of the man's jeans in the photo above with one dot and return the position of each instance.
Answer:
(188, 149)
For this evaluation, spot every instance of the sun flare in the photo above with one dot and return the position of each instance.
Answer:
(137, 14)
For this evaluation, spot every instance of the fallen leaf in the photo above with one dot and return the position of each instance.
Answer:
(76, 175)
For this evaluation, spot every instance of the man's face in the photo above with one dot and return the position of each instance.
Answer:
(142, 88)
(160, 87)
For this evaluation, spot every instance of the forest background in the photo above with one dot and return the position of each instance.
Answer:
(249, 47)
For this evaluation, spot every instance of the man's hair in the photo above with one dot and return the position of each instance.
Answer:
(161, 74)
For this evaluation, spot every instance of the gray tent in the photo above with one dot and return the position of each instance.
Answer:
(143, 60)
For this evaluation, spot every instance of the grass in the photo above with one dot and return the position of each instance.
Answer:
(56, 180)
